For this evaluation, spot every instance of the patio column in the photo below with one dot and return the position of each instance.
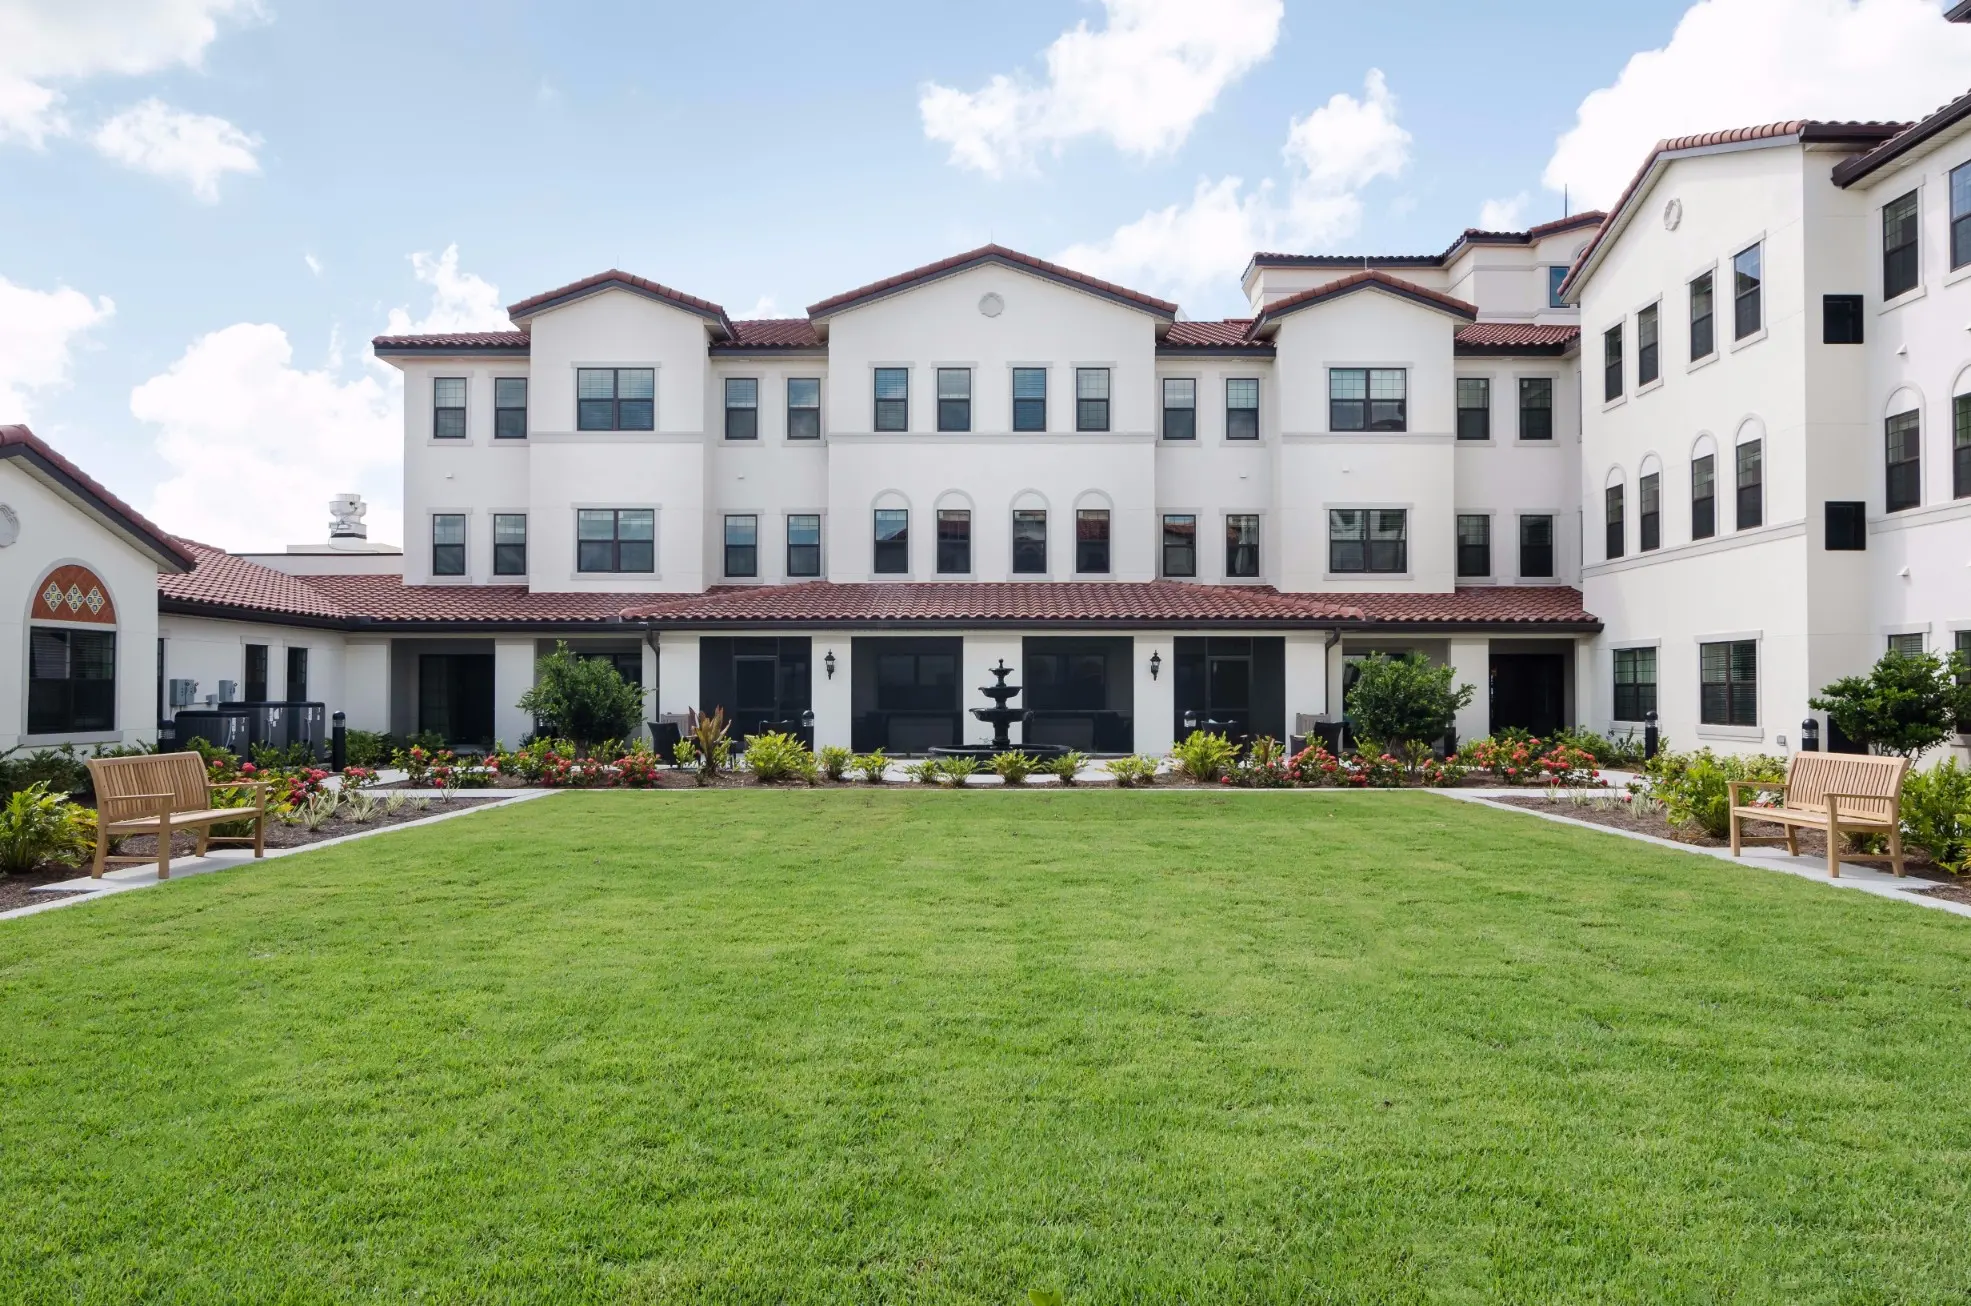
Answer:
(677, 672)
(513, 675)
(1307, 676)
(366, 685)
(1471, 660)
(829, 695)
(1155, 700)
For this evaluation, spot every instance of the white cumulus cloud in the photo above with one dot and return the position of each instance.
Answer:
(1331, 155)
(1741, 63)
(1504, 215)
(195, 148)
(1142, 81)
(44, 43)
(460, 301)
(38, 333)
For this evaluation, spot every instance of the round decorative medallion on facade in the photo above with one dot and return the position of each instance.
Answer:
(991, 304)
(1673, 214)
(10, 526)
(73, 593)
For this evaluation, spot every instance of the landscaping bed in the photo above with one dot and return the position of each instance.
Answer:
(282, 835)
(18, 889)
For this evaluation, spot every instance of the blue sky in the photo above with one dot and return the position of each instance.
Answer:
(197, 185)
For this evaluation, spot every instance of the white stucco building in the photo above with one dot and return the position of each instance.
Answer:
(1761, 476)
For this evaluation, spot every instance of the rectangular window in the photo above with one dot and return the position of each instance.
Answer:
(954, 398)
(1635, 683)
(1905, 483)
(1728, 691)
(1091, 399)
(1751, 486)
(1030, 542)
(1556, 274)
(71, 681)
(1368, 539)
(297, 675)
(1536, 408)
(1747, 279)
(1650, 506)
(1180, 408)
(509, 408)
(256, 673)
(1242, 545)
(954, 542)
(448, 408)
(1029, 398)
(1847, 526)
(892, 542)
(803, 408)
(1612, 519)
(1474, 545)
(742, 408)
(1180, 545)
(1910, 645)
(1899, 267)
(448, 544)
(616, 540)
(509, 544)
(893, 399)
(1704, 497)
(1960, 216)
(1960, 445)
(1646, 351)
(1841, 319)
(1368, 399)
(1536, 546)
(742, 545)
(616, 398)
(1474, 408)
(1703, 336)
(1091, 541)
(1242, 408)
(1611, 364)
(803, 544)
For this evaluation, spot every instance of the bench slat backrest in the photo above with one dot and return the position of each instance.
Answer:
(119, 779)
(1811, 777)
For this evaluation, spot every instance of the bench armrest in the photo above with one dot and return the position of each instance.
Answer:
(1733, 786)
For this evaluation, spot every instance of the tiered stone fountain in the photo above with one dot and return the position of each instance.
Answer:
(1000, 716)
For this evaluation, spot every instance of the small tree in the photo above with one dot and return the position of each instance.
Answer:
(583, 699)
(1908, 703)
(1398, 701)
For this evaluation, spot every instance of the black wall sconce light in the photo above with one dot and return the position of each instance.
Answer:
(829, 662)
(1156, 664)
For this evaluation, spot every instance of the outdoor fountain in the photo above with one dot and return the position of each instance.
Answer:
(1000, 716)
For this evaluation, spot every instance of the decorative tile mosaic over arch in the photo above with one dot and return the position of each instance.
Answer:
(72, 592)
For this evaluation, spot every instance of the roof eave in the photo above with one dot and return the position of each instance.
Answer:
(171, 559)
(821, 311)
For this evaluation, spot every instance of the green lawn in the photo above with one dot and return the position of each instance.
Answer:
(908, 1046)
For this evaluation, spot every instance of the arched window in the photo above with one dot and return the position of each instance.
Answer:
(1093, 519)
(1749, 475)
(71, 661)
(1902, 439)
(1960, 436)
(954, 528)
(1030, 534)
(890, 544)
(1704, 488)
(1612, 513)
(1649, 504)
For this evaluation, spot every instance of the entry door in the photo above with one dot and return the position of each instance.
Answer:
(1231, 686)
(763, 684)
(1529, 692)
(904, 694)
(455, 697)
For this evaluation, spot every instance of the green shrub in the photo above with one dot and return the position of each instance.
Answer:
(1398, 700)
(586, 699)
(705, 749)
(1691, 786)
(926, 771)
(371, 748)
(39, 825)
(59, 769)
(1013, 767)
(269, 758)
(1132, 771)
(834, 761)
(1937, 814)
(957, 770)
(1065, 767)
(1203, 757)
(1907, 703)
(871, 768)
(776, 757)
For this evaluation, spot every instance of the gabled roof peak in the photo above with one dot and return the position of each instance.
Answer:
(986, 255)
(616, 279)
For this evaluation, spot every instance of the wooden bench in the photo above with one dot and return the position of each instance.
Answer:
(1839, 793)
(163, 792)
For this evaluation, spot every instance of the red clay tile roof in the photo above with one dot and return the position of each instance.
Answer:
(1795, 130)
(1585, 218)
(992, 602)
(773, 333)
(991, 254)
(1380, 281)
(1506, 337)
(1479, 605)
(1849, 171)
(465, 341)
(387, 599)
(224, 581)
(614, 278)
(1470, 235)
(1229, 331)
(21, 443)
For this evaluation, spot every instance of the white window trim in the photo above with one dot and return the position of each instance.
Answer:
(821, 542)
(575, 400)
(430, 522)
(1199, 516)
(1409, 511)
(1552, 441)
(1922, 286)
(1265, 551)
(1197, 380)
(1554, 517)
(503, 577)
(576, 573)
(1491, 515)
(1758, 731)
(1491, 410)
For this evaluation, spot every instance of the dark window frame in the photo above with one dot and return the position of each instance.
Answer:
(1611, 363)
(803, 419)
(504, 552)
(1703, 290)
(1241, 419)
(1360, 412)
(1369, 551)
(1536, 421)
(1841, 319)
(1634, 695)
(444, 415)
(954, 410)
(1613, 509)
(638, 413)
(1902, 485)
(1030, 409)
(448, 556)
(1902, 269)
(1649, 345)
(1959, 182)
(1704, 507)
(1749, 501)
(1093, 547)
(1029, 555)
(618, 546)
(954, 545)
(1092, 413)
(1474, 555)
(1242, 540)
(1185, 424)
(1845, 527)
(1536, 557)
(741, 560)
(890, 553)
(1474, 421)
(53, 706)
(509, 418)
(1960, 448)
(806, 563)
(1556, 273)
(892, 412)
(1732, 698)
(1649, 512)
(1748, 312)
(1180, 546)
(742, 419)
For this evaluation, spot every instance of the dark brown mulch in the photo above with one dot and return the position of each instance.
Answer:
(1811, 843)
(17, 890)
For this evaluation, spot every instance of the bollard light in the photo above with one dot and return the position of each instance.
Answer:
(1810, 736)
(1650, 737)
